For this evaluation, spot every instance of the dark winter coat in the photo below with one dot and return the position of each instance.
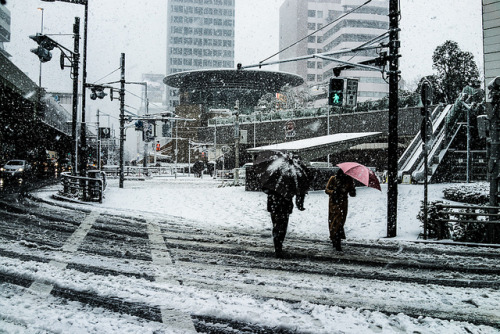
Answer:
(278, 204)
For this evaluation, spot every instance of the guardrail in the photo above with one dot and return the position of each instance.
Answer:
(87, 189)
(136, 171)
(467, 214)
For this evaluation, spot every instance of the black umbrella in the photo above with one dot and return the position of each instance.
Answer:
(283, 173)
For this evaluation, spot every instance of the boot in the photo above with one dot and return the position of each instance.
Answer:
(278, 248)
(336, 243)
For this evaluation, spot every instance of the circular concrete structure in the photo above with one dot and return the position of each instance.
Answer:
(220, 88)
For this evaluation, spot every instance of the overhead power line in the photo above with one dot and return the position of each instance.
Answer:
(297, 42)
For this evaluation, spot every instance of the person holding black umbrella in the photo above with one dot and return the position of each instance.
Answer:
(280, 207)
(338, 188)
(282, 176)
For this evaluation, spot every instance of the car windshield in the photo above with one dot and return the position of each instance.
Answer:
(15, 163)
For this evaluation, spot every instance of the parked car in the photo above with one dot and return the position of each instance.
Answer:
(16, 168)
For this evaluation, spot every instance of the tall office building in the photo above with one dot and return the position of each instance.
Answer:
(299, 18)
(200, 36)
(4, 29)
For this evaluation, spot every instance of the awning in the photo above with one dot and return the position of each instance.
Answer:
(313, 148)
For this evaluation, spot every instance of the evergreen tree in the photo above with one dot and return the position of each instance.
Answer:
(455, 69)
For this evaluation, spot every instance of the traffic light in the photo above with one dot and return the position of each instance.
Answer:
(336, 92)
(45, 45)
(97, 92)
(158, 146)
(351, 92)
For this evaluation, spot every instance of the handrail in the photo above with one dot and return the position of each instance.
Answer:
(74, 185)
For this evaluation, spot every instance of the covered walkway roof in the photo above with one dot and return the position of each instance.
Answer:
(313, 148)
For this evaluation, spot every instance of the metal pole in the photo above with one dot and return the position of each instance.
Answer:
(74, 116)
(494, 109)
(392, 164)
(328, 131)
(122, 117)
(189, 158)
(237, 143)
(98, 143)
(83, 130)
(176, 137)
(40, 70)
(254, 124)
(468, 146)
(426, 171)
(215, 149)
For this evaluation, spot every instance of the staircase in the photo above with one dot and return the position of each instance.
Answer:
(447, 154)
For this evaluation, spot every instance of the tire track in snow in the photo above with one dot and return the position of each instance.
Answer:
(74, 241)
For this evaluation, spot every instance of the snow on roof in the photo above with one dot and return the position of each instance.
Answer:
(314, 142)
(316, 147)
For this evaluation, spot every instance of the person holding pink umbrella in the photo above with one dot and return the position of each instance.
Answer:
(338, 188)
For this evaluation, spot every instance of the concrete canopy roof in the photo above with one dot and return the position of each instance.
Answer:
(232, 78)
(317, 147)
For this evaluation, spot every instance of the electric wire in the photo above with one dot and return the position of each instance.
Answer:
(107, 75)
(323, 27)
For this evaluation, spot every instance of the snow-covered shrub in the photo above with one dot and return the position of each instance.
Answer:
(433, 225)
(468, 232)
(472, 193)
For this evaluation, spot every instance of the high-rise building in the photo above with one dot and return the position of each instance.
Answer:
(4, 29)
(200, 36)
(299, 18)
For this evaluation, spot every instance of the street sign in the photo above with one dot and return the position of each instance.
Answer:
(290, 129)
(243, 136)
(104, 133)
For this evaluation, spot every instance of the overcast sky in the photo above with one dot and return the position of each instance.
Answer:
(138, 29)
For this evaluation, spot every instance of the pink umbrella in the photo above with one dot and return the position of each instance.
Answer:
(361, 173)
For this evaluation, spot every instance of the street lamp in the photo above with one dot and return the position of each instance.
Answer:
(83, 138)
(45, 44)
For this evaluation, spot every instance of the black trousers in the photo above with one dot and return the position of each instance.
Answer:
(280, 225)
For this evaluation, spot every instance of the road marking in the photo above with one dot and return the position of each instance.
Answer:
(71, 245)
(165, 273)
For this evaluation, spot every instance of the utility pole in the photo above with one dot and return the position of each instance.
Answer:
(392, 164)
(74, 116)
(493, 169)
(122, 116)
(426, 134)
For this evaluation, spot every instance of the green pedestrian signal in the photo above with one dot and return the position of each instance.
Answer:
(336, 92)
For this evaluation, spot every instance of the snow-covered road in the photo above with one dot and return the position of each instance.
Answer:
(119, 267)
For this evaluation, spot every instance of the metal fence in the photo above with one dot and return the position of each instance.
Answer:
(87, 189)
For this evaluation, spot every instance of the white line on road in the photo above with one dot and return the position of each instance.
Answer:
(165, 273)
(71, 245)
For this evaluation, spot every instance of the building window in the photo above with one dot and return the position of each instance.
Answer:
(311, 26)
(311, 64)
(311, 39)
(311, 77)
(311, 51)
(311, 13)
(319, 14)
